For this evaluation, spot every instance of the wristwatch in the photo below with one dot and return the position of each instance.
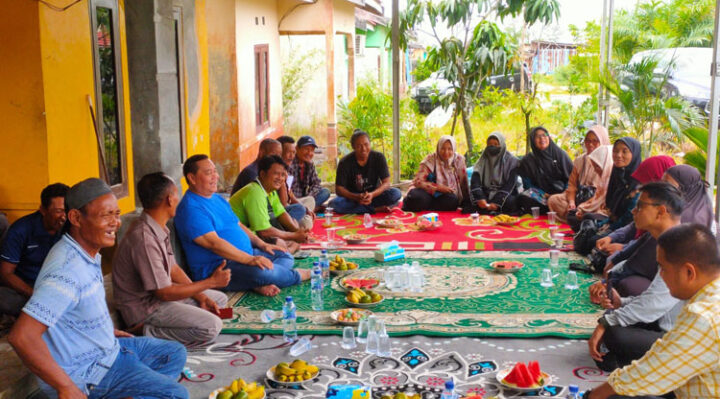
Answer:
(603, 322)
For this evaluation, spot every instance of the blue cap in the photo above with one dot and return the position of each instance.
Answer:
(324, 251)
(573, 388)
(316, 263)
(449, 385)
(306, 140)
(288, 299)
(317, 271)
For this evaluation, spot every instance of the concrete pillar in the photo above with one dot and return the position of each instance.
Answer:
(331, 149)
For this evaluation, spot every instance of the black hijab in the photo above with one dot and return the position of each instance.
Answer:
(621, 182)
(698, 207)
(547, 169)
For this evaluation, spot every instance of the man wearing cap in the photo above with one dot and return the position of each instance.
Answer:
(65, 335)
(306, 182)
(153, 294)
(28, 242)
(210, 232)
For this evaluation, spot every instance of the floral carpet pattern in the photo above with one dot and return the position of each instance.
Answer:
(417, 364)
(462, 296)
(457, 233)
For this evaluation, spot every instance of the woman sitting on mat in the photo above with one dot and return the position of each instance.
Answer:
(589, 178)
(494, 177)
(441, 184)
(544, 171)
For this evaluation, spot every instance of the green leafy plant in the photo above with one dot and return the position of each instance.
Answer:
(295, 77)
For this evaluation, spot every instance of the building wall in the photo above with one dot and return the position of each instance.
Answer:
(47, 74)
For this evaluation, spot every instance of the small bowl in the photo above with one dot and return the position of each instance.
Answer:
(355, 239)
(547, 380)
(214, 394)
(388, 223)
(364, 305)
(431, 227)
(364, 313)
(270, 375)
(507, 266)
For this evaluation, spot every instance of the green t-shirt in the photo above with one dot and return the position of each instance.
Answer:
(250, 204)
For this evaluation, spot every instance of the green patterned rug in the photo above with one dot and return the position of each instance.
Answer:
(463, 296)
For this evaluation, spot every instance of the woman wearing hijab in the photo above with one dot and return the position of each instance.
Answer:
(544, 171)
(441, 183)
(587, 179)
(494, 176)
(698, 206)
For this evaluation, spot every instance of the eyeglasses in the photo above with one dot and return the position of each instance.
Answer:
(641, 204)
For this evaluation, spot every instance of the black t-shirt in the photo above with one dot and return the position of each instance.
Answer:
(358, 179)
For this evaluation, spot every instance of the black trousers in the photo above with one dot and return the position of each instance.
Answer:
(418, 200)
(626, 344)
(525, 204)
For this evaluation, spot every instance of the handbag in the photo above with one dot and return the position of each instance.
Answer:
(582, 242)
(584, 193)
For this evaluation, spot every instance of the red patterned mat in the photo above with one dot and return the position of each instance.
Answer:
(458, 232)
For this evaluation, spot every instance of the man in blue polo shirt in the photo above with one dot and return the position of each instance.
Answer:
(28, 242)
(65, 335)
(210, 233)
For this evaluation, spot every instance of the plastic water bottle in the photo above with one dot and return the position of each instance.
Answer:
(573, 392)
(289, 320)
(316, 289)
(449, 392)
(325, 265)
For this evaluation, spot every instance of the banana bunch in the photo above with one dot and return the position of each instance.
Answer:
(502, 218)
(239, 389)
(298, 370)
(339, 263)
(358, 295)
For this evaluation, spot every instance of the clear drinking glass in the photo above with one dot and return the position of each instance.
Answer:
(554, 257)
(328, 216)
(362, 331)
(475, 218)
(267, 315)
(546, 278)
(558, 240)
(383, 345)
(348, 338)
(535, 212)
(571, 280)
(551, 217)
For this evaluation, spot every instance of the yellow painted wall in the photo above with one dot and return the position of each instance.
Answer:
(198, 117)
(49, 73)
(23, 146)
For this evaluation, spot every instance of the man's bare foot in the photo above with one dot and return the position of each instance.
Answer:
(304, 274)
(267, 290)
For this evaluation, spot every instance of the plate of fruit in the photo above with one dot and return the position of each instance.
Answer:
(524, 377)
(388, 223)
(339, 266)
(350, 316)
(363, 298)
(239, 389)
(507, 266)
(297, 371)
(363, 283)
(506, 220)
(355, 239)
(423, 224)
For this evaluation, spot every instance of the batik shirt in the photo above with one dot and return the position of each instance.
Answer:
(305, 181)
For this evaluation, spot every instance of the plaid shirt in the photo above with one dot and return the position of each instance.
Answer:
(309, 184)
(686, 359)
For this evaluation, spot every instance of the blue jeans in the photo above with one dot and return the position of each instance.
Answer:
(246, 277)
(321, 196)
(296, 211)
(144, 368)
(389, 197)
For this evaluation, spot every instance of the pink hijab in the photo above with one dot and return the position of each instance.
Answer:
(446, 172)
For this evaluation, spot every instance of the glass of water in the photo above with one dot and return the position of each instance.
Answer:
(362, 331)
(571, 280)
(348, 338)
(551, 217)
(554, 257)
(546, 279)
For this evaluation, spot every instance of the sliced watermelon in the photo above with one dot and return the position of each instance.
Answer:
(514, 377)
(525, 376)
(360, 283)
(534, 368)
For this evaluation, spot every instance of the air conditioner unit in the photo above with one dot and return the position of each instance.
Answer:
(359, 44)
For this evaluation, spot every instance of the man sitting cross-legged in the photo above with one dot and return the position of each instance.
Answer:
(153, 294)
(210, 233)
(634, 323)
(27, 244)
(686, 360)
(258, 207)
(65, 335)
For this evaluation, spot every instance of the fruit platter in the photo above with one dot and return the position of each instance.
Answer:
(297, 371)
(507, 266)
(363, 298)
(355, 239)
(505, 220)
(239, 389)
(389, 223)
(339, 266)
(423, 224)
(348, 283)
(524, 377)
(350, 316)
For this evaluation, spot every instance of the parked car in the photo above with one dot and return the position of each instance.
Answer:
(427, 91)
(688, 73)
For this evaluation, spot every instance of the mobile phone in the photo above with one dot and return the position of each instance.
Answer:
(609, 286)
(581, 267)
(302, 255)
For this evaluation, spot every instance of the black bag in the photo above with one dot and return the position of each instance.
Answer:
(598, 260)
(584, 193)
(583, 242)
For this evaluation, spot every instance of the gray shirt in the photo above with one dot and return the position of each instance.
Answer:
(654, 304)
